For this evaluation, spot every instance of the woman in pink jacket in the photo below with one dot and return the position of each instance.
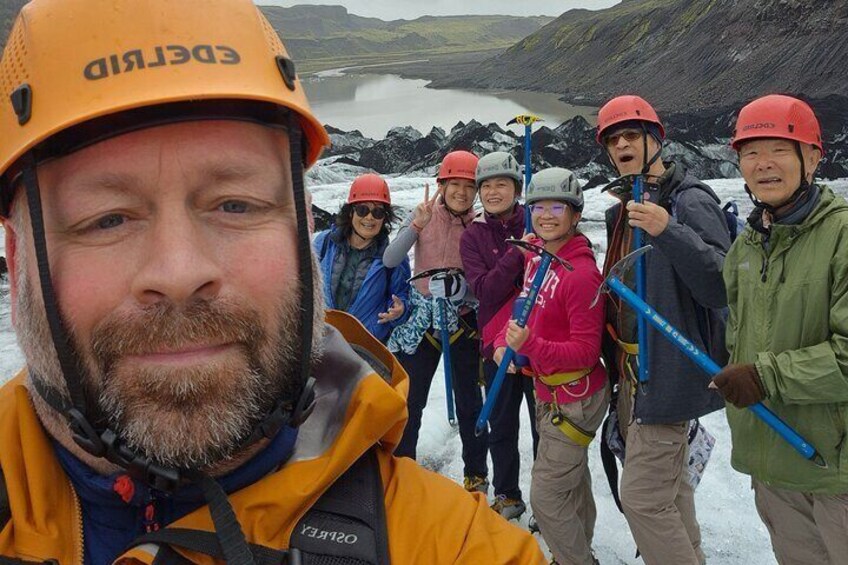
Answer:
(562, 339)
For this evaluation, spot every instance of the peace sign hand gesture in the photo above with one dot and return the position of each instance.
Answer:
(424, 210)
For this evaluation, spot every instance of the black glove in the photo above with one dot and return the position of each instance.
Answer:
(740, 385)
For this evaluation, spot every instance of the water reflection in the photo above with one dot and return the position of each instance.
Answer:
(375, 103)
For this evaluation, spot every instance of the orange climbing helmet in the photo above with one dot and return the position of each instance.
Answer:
(369, 188)
(778, 116)
(625, 109)
(78, 71)
(458, 165)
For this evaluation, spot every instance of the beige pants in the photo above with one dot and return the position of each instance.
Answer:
(658, 501)
(805, 529)
(561, 488)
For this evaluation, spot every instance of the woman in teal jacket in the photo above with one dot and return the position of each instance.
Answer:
(351, 258)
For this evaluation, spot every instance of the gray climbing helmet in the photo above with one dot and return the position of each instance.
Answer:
(556, 184)
(499, 164)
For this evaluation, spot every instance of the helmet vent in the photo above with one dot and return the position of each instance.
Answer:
(271, 36)
(13, 73)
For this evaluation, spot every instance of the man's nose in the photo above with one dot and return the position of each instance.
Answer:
(179, 263)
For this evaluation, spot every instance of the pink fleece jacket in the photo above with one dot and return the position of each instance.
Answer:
(565, 333)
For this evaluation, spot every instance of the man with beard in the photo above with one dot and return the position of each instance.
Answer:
(184, 397)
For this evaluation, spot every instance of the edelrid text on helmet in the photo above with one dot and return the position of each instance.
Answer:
(159, 56)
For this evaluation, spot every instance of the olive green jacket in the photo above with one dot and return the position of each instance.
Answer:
(789, 316)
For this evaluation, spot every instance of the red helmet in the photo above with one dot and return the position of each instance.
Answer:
(778, 116)
(625, 109)
(458, 165)
(369, 188)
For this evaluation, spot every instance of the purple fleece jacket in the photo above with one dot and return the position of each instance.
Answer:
(493, 269)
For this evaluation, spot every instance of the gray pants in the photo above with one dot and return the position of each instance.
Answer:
(561, 488)
(658, 501)
(805, 529)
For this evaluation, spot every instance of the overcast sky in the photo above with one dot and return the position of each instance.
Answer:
(410, 9)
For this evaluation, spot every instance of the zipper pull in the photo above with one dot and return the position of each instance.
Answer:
(763, 275)
(151, 524)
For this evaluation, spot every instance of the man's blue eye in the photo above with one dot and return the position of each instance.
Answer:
(110, 221)
(234, 207)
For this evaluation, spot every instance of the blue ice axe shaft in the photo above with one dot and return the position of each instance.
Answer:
(446, 359)
(641, 288)
(528, 174)
(509, 354)
(701, 359)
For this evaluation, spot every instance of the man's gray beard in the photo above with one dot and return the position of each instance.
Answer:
(187, 417)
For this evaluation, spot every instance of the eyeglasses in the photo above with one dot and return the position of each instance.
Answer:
(377, 212)
(555, 210)
(629, 135)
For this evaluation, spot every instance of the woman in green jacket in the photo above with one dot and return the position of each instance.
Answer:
(787, 289)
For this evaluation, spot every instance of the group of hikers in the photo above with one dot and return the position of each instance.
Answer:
(206, 381)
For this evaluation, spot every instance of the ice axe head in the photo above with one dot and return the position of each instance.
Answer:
(524, 119)
(619, 270)
(538, 250)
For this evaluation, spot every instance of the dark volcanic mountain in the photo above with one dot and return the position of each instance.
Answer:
(680, 54)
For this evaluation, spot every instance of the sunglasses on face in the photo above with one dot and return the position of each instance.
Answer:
(377, 212)
(629, 135)
(556, 210)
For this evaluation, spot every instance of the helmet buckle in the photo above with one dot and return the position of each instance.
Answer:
(22, 103)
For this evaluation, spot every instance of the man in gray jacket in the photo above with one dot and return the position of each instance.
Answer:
(681, 218)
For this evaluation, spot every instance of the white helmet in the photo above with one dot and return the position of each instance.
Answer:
(556, 184)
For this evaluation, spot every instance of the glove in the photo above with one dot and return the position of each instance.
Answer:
(448, 284)
(740, 385)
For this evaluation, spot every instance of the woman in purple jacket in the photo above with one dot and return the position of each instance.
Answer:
(494, 270)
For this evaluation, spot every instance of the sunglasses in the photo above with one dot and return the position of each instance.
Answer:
(555, 210)
(377, 212)
(629, 135)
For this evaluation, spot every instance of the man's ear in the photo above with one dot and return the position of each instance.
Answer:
(812, 159)
(11, 262)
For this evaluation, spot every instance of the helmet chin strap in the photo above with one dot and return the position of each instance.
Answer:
(799, 192)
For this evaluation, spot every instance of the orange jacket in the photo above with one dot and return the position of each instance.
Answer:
(430, 519)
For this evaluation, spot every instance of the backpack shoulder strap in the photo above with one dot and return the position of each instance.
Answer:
(345, 526)
(348, 523)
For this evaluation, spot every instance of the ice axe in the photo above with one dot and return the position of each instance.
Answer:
(452, 283)
(638, 189)
(538, 279)
(646, 312)
(527, 120)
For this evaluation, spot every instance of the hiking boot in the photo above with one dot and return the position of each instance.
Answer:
(532, 525)
(509, 508)
(476, 483)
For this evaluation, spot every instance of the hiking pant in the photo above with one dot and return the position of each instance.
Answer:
(805, 529)
(561, 488)
(504, 424)
(658, 501)
(465, 360)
